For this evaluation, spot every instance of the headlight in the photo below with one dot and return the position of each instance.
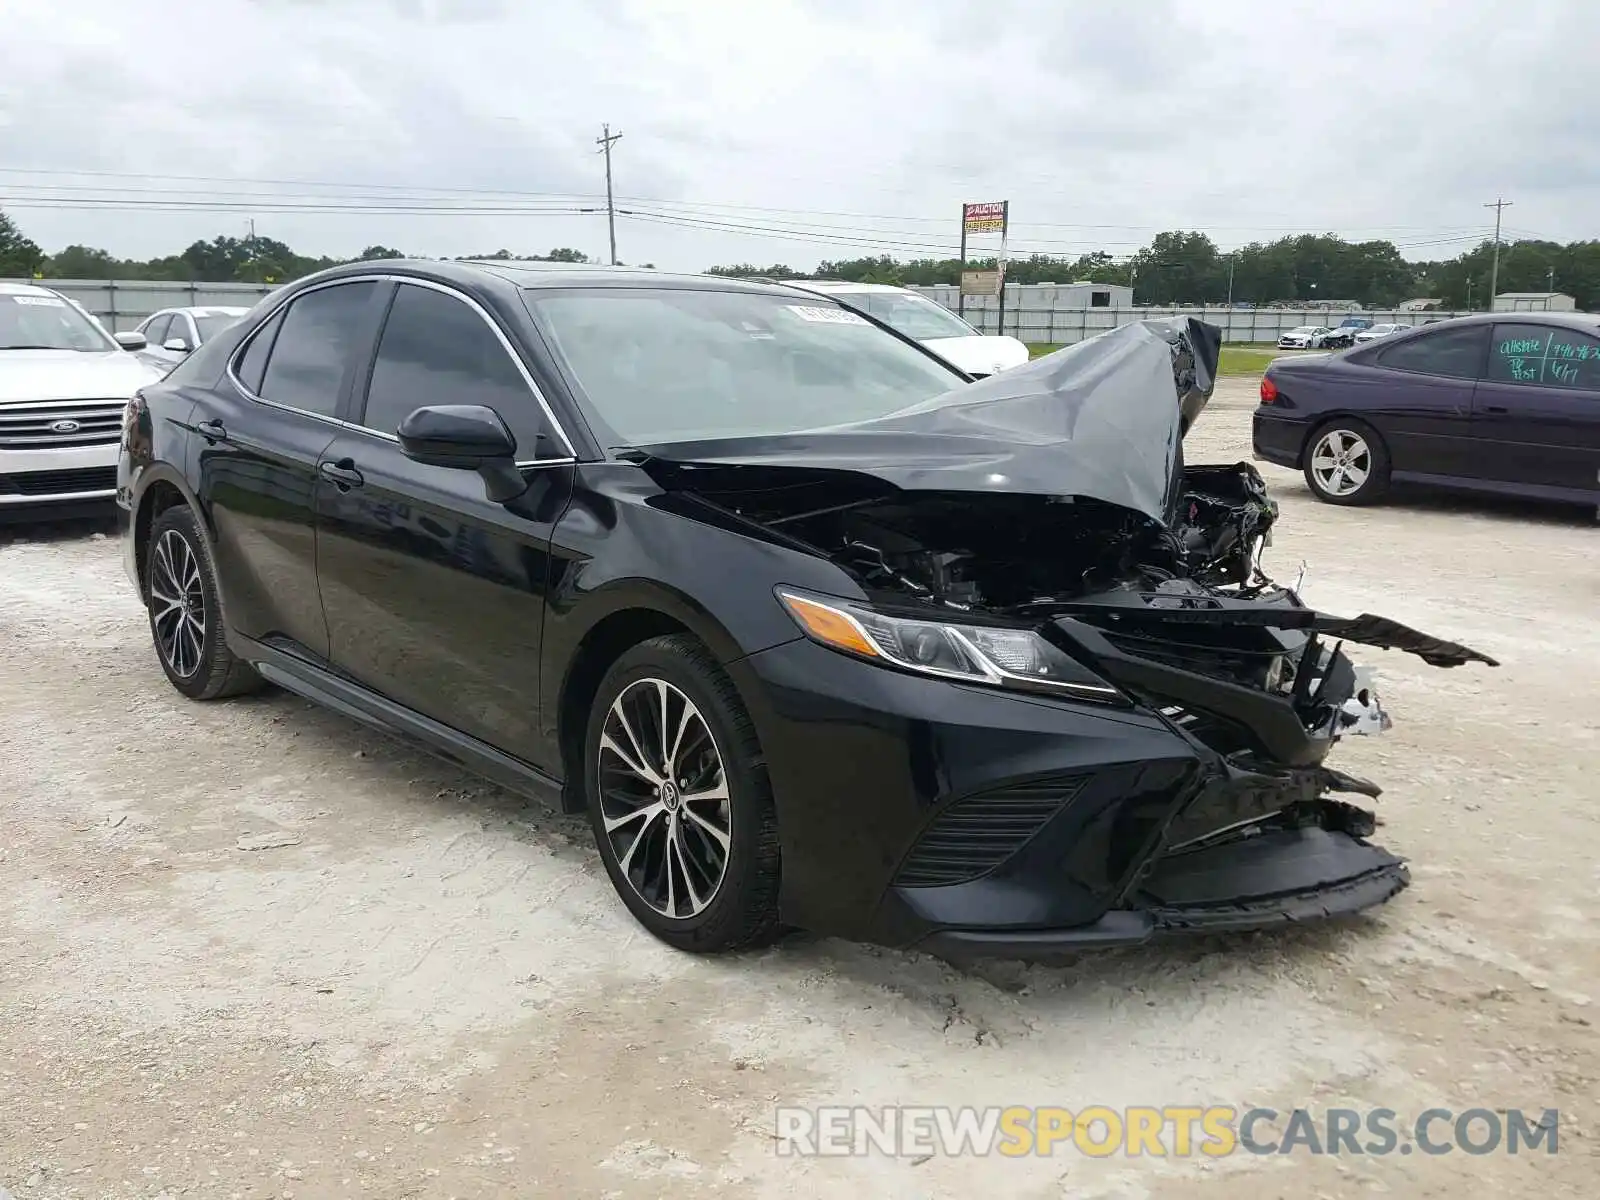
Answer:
(997, 655)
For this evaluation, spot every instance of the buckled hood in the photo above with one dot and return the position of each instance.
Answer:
(1102, 420)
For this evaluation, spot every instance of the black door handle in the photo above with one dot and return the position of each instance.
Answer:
(1498, 409)
(342, 474)
(213, 431)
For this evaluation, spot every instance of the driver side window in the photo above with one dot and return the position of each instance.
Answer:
(437, 350)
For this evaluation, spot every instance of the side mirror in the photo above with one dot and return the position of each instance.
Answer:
(467, 437)
(177, 345)
(131, 340)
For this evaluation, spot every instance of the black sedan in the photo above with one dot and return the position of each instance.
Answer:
(817, 632)
(1507, 403)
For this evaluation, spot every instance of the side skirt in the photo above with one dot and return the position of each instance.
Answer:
(295, 674)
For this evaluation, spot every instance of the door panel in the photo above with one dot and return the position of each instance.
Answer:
(1425, 412)
(435, 595)
(256, 461)
(257, 483)
(1536, 417)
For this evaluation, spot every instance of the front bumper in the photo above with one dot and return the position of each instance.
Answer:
(1277, 879)
(963, 819)
(35, 483)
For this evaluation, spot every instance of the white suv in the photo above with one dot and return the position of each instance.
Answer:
(64, 383)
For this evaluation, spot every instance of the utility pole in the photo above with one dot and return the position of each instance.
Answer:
(1230, 281)
(1494, 270)
(604, 141)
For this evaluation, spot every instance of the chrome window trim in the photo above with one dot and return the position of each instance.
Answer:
(505, 344)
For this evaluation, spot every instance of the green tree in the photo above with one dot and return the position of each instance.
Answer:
(82, 262)
(18, 255)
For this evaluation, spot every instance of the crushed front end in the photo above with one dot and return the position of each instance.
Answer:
(1169, 777)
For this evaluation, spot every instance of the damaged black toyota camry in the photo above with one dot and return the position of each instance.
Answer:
(817, 631)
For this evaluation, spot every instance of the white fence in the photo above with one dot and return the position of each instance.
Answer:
(1031, 318)
(123, 303)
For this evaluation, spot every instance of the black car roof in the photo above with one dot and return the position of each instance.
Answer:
(482, 272)
(1571, 320)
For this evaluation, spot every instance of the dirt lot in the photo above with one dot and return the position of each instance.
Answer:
(434, 992)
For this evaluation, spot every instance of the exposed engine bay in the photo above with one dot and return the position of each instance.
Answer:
(1056, 496)
(1010, 554)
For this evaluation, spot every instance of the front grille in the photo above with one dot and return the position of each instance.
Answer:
(1248, 667)
(976, 834)
(59, 483)
(30, 426)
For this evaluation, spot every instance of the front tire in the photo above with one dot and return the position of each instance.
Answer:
(186, 613)
(1346, 462)
(679, 799)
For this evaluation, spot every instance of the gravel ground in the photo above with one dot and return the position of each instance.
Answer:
(432, 991)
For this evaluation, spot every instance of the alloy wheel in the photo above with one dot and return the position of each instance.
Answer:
(1341, 462)
(177, 603)
(664, 798)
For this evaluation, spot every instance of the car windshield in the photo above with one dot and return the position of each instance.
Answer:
(210, 324)
(1302, 330)
(656, 365)
(913, 315)
(38, 322)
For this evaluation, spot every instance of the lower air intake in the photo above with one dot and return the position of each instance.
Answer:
(976, 834)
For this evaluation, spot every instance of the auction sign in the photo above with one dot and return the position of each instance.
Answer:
(984, 218)
(990, 217)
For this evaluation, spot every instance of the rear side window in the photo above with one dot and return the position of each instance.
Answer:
(1544, 356)
(253, 364)
(437, 350)
(307, 363)
(1453, 353)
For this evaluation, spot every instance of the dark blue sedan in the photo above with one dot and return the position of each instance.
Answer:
(1504, 402)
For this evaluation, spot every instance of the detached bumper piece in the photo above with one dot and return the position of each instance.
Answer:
(1268, 882)
(1249, 851)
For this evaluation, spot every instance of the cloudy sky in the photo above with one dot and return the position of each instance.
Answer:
(794, 130)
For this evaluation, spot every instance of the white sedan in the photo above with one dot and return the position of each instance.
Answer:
(172, 334)
(1303, 337)
(1374, 332)
(935, 326)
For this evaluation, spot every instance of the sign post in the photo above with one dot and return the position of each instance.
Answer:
(989, 217)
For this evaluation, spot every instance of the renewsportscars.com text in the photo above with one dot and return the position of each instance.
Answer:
(1177, 1131)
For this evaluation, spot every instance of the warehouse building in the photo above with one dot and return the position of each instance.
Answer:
(1534, 302)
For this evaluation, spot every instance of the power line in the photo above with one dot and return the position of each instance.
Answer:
(421, 192)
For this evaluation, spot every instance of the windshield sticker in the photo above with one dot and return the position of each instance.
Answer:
(41, 301)
(826, 316)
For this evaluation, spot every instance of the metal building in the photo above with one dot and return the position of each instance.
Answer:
(1534, 302)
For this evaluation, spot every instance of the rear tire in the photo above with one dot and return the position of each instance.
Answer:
(185, 611)
(692, 849)
(1346, 463)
